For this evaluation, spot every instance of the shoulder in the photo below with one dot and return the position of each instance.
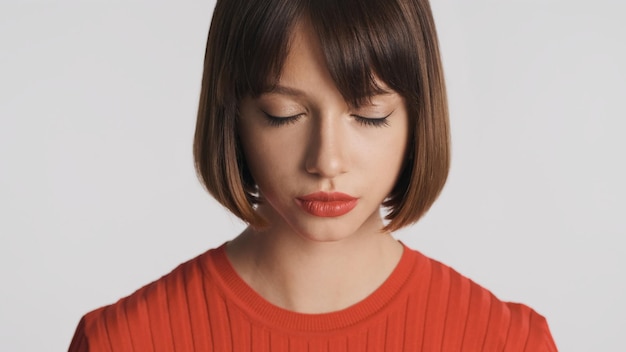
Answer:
(159, 309)
(467, 316)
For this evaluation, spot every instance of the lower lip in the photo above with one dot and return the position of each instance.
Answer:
(327, 209)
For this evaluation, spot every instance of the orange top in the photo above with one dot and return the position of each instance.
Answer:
(203, 305)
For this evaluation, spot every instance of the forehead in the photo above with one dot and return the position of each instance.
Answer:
(304, 61)
(305, 68)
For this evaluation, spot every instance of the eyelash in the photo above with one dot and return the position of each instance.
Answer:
(277, 121)
(372, 121)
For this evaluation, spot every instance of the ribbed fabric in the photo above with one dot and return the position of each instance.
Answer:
(203, 305)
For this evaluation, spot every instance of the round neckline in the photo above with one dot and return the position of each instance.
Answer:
(258, 308)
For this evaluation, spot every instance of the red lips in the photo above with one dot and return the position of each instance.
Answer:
(325, 204)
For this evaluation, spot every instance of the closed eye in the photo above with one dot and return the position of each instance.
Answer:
(372, 121)
(277, 121)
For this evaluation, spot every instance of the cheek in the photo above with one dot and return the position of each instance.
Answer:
(388, 149)
(388, 157)
(389, 162)
(271, 158)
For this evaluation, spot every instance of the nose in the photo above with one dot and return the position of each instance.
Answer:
(326, 154)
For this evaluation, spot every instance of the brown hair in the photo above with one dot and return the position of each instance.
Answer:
(391, 40)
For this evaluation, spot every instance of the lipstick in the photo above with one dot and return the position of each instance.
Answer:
(325, 204)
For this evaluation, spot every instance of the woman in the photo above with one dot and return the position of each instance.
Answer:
(313, 115)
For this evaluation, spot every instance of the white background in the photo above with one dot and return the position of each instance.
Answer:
(98, 195)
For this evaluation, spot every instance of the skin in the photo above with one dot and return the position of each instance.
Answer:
(302, 262)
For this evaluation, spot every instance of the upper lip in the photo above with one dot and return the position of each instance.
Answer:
(327, 197)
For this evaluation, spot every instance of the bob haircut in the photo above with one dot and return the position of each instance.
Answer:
(363, 40)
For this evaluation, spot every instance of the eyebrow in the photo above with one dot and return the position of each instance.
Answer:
(294, 92)
(284, 90)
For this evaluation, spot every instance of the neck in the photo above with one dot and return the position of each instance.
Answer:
(313, 277)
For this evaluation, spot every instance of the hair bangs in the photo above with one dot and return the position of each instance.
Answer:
(263, 43)
(367, 47)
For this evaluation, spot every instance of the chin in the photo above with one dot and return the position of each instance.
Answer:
(329, 230)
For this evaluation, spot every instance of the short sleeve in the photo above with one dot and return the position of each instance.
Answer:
(91, 334)
(79, 341)
(539, 336)
(527, 331)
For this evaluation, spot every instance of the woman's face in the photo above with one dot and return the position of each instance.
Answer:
(323, 167)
